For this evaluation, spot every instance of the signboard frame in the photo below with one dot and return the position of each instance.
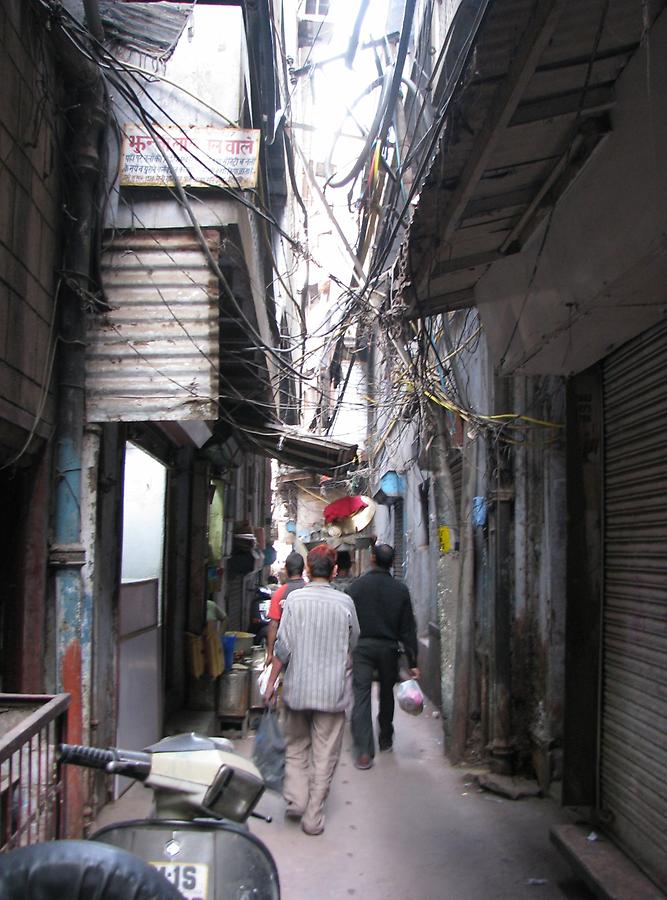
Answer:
(201, 156)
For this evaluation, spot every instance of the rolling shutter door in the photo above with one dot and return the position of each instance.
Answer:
(399, 538)
(153, 356)
(633, 764)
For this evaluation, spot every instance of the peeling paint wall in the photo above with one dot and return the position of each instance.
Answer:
(539, 579)
(106, 578)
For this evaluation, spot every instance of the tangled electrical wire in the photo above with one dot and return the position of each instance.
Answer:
(421, 357)
(131, 84)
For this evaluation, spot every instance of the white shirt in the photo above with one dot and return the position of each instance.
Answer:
(318, 631)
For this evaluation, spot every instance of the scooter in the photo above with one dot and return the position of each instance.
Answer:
(196, 837)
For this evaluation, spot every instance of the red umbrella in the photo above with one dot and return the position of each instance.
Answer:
(343, 507)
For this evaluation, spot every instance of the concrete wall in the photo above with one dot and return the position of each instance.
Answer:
(537, 564)
(29, 224)
(105, 562)
(538, 644)
(464, 650)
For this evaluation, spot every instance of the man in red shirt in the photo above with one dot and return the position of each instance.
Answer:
(294, 565)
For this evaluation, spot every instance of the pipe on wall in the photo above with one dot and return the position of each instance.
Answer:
(502, 743)
(93, 19)
(86, 120)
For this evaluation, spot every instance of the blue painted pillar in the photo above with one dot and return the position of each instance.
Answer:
(73, 613)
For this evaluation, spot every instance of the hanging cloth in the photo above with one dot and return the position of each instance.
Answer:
(343, 507)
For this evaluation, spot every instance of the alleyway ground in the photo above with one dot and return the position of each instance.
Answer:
(409, 829)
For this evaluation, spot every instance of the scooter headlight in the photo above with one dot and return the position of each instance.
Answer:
(233, 794)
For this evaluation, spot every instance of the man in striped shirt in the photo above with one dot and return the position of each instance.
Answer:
(318, 631)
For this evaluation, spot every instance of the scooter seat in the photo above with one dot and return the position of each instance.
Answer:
(79, 870)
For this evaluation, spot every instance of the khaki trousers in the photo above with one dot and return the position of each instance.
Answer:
(314, 740)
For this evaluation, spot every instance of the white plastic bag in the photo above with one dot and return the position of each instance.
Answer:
(263, 680)
(410, 697)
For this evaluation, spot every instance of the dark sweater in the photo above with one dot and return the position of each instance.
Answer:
(384, 610)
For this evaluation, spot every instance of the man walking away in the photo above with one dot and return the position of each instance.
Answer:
(294, 565)
(343, 577)
(385, 618)
(318, 630)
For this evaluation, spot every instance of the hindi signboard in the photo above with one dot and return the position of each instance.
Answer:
(200, 156)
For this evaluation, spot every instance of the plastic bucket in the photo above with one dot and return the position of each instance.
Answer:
(228, 641)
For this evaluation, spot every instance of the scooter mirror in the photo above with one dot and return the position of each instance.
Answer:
(233, 794)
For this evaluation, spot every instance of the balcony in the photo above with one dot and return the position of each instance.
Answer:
(31, 784)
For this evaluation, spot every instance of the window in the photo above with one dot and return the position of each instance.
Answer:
(317, 7)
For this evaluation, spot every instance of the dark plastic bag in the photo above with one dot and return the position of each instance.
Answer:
(269, 754)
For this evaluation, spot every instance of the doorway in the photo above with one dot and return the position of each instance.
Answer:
(140, 695)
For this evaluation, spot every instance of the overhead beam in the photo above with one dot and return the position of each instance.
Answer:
(535, 38)
(460, 263)
(612, 59)
(442, 303)
(429, 283)
(596, 99)
(575, 156)
(495, 203)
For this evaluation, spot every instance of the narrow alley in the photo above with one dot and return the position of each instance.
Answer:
(380, 280)
(411, 828)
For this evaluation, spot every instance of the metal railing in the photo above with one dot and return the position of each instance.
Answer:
(31, 784)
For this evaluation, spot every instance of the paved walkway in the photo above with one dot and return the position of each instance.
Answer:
(411, 828)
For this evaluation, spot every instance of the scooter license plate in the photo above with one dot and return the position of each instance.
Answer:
(191, 879)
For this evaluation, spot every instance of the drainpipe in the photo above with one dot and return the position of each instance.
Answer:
(73, 604)
(93, 19)
(465, 631)
(502, 503)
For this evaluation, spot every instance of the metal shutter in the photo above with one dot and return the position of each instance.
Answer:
(633, 764)
(235, 604)
(154, 355)
(399, 542)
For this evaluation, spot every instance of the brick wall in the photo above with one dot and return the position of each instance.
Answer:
(30, 173)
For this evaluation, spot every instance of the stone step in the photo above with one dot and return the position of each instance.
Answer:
(607, 871)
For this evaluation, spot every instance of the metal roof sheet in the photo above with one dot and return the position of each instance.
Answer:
(300, 450)
(151, 28)
(517, 129)
(154, 356)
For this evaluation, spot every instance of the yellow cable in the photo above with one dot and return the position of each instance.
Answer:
(530, 419)
(311, 494)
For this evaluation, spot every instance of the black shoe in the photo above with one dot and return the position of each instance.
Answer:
(386, 746)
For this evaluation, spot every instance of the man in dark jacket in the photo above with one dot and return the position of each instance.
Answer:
(385, 618)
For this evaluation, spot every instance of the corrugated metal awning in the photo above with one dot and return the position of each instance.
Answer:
(314, 453)
(305, 452)
(151, 28)
(154, 356)
(530, 108)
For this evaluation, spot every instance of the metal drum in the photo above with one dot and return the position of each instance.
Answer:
(233, 693)
(256, 698)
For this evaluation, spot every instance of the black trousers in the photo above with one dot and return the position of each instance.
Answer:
(371, 655)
